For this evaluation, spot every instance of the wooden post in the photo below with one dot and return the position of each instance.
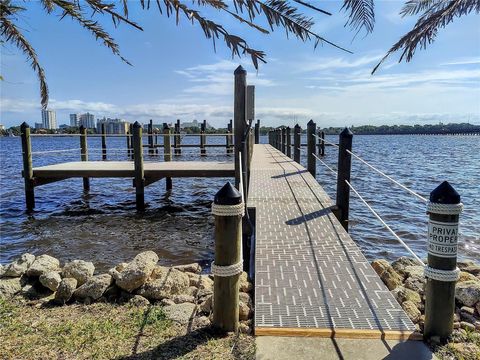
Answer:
(27, 167)
(138, 166)
(284, 140)
(344, 168)
(276, 142)
(230, 137)
(322, 145)
(176, 139)
(297, 131)
(311, 164)
(104, 142)
(155, 142)
(131, 141)
(444, 209)
(228, 242)
(128, 142)
(150, 137)
(203, 139)
(167, 152)
(270, 141)
(289, 141)
(84, 154)
(257, 132)
(239, 116)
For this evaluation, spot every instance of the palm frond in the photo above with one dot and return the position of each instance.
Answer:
(438, 16)
(11, 34)
(361, 14)
(414, 7)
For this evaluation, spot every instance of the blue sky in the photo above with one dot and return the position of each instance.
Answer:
(177, 74)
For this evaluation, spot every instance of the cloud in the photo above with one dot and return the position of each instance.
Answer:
(465, 61)
(336, 63)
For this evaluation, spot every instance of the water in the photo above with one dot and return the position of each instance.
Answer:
(103, 226)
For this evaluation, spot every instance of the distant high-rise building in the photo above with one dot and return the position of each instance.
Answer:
(113, 126)
(87, 120)
(38, 125)
(74, 120)
(49, 119)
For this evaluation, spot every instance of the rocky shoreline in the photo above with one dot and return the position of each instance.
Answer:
(185, 293)
(404, 278)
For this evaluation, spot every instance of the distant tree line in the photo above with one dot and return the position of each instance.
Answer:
(408, 129)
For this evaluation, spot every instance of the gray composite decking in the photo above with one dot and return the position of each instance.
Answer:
(126, 169)
(310, 277)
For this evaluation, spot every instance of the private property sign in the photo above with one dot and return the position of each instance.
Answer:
(442, 239)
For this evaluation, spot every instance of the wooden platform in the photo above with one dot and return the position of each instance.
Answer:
(96, 169)
(311, 279)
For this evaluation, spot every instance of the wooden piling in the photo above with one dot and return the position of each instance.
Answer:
(131, 140)
(228, 242)
(344, 169)
(289, 141)
(27, 166)
(128, 138)
(230, 137)
(138, 166)
(150, 137)
(203, 139)
(297, 131)
(176, 138)
(104, 142)
(322, 145)
(444, 210)
(239, 117)
(84, 154)
(167, 152)
(284, 140)
(257, 132)
(311, 163)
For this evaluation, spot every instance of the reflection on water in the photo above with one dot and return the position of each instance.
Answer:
(103, 225)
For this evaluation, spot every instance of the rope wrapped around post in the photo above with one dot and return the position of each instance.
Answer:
(228, 208)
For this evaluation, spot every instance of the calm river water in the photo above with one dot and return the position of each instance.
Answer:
(104, 227)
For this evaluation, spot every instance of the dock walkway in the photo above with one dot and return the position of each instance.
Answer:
(311, 279)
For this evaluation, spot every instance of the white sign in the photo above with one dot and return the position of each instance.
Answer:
(442, 239)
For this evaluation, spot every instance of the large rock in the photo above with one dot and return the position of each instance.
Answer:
(164, 283)
(414, 271)
(19, 266)
(401, 263)
(2, 270)
(411, 310)
(10, 286)
(477, 307)
(245, 285)
(386, 272)
(243, 311)
(207, 305)
(416, 284)
(181, 313)
(65, 290)
(468, 292)
(51, 280)
(79, 270)
(191, 268)
(115, 272)
(94, 287)
(473, 269)
(43, 264)
(403, 294)
(465, 276)
(138, 301)
(138, 271)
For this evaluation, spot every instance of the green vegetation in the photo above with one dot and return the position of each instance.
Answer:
(408, 129)
(106, 331)
(464, 346)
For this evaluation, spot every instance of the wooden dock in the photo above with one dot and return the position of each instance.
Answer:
(311, 279)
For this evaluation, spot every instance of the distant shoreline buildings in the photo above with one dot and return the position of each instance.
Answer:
(49, 119)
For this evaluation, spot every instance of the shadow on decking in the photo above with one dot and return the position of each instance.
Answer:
(288, 174)
(305, 218)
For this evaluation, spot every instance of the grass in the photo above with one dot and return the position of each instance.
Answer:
(108, 331)
(465, 347)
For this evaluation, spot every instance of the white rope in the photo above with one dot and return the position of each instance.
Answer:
(302, 149)
(325, 141)
(228, 210)
(385, 224)
(54, 151)
(442, 275)
(388, 177)
(227, 271)
(444, 209)
(325, 164)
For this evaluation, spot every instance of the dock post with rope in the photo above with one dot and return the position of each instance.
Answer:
(343, 177)
(228, 209)
(297, 130)
(167, 152)
(284, 140)
(84, 154)
(27, 167)
(289, 141)
(239, 116)
(176, 138)
(130, 127)
(311, 131)
(321, 144)
(441, 271)
(203, 139)
(257, 132)
(104, 142)
(138, 167)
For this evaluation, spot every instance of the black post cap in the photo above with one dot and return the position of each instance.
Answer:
(165, 126)
(346, 133)
(228, 195)
(81, 128)
(311, 122)
(444, 194)
(24, 126)
(136, 125)
(297, 126)
(240, 70)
